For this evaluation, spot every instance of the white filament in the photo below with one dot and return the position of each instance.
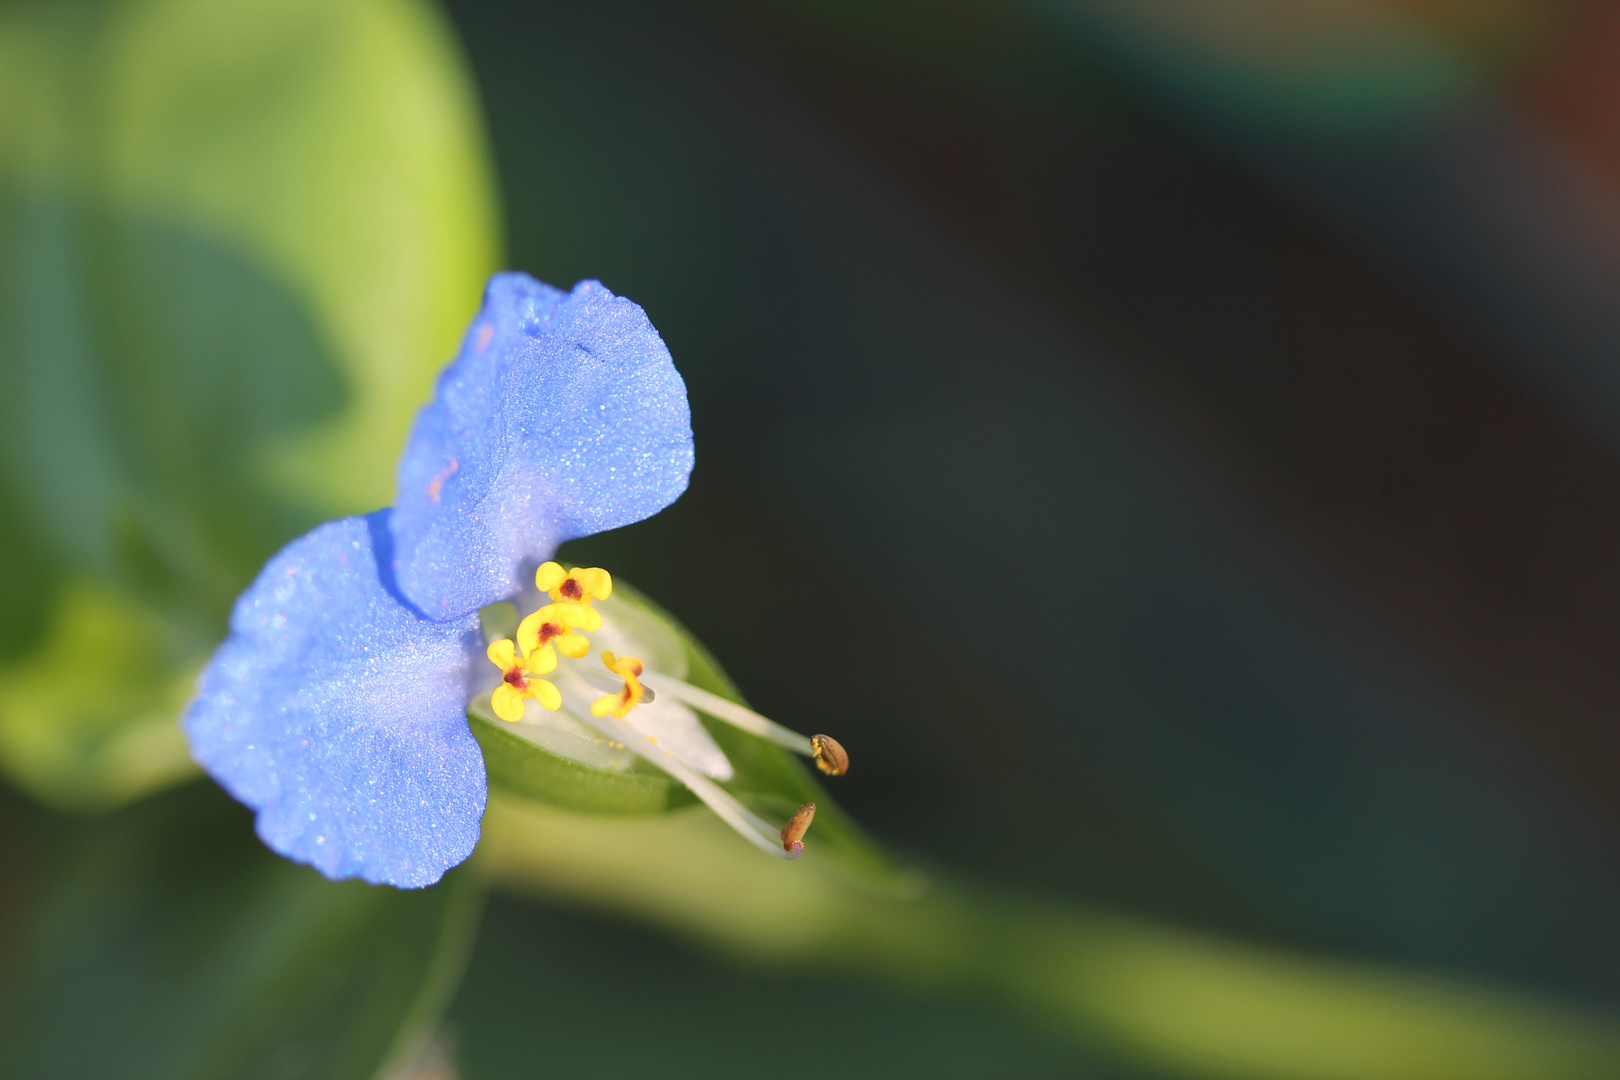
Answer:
(753, 828)
(730, 712)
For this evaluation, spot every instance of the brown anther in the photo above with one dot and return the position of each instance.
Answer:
(793, 832)
(830, 757)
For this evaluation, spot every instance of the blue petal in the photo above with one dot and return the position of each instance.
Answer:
(561, 417)
(339, 714)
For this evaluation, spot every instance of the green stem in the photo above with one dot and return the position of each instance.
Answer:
(1187, 1003)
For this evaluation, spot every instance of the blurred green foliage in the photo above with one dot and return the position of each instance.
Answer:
(236, 243)
(160, 945)
(1176, 1002)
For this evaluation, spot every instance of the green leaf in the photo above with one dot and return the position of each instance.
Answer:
(165, 941)
(88, 720)
(236, 243)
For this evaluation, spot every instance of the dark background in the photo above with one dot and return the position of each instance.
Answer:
(1213, 521)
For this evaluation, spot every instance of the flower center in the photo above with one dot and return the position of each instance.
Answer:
(557, 628)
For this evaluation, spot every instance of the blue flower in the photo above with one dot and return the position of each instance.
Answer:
(336, 708)
(562, 417)
(338, 712)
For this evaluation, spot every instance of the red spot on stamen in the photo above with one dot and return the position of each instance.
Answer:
(516, 679)
(570, 588)
(549, 630)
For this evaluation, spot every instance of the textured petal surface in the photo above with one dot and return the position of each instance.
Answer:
(562, 416)
(339, 714)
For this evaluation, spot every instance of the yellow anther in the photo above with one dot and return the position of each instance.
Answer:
(516, 681)
(620, 704)
(553, 625)
(578, 587)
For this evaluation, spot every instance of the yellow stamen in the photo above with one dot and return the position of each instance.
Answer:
(620, 704)
(508, 703)
(576, 587)
(516, 681)
(553, 625)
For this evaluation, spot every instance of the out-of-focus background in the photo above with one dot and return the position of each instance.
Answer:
(1174, 444)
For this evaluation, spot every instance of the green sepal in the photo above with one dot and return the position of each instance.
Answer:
(523, 768)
